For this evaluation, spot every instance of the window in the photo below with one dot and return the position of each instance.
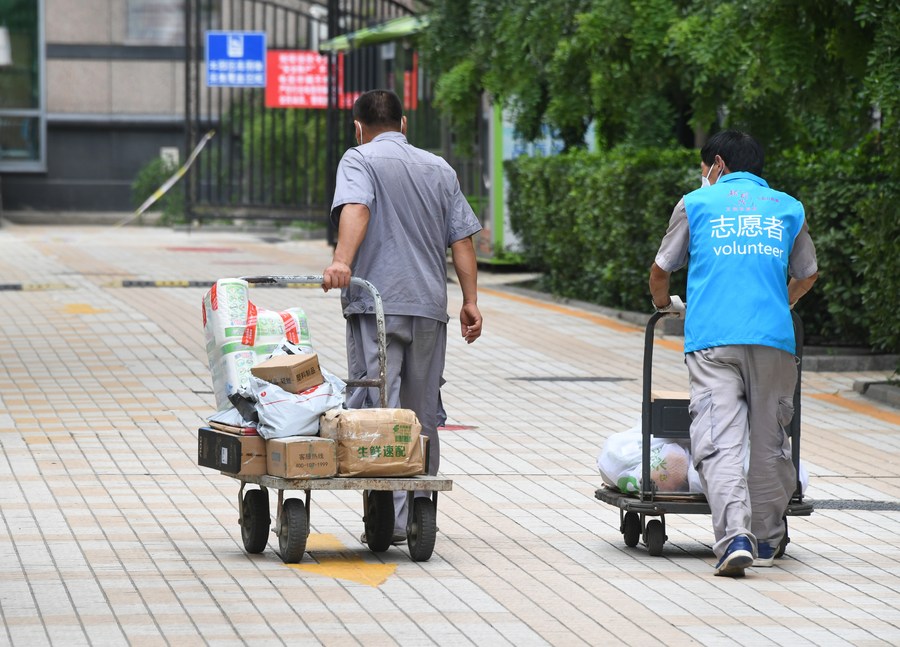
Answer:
(155, 22)
(22, 121)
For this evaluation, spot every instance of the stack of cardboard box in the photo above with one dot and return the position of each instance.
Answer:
(361, 442)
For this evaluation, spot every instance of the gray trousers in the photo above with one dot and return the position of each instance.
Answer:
(742, 399)
(416, 348)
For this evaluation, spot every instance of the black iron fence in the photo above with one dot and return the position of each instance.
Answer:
(278, 163)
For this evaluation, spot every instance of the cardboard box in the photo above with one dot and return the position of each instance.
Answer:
(231, 453)
(301, 457)
(293, 373)
(375, 442)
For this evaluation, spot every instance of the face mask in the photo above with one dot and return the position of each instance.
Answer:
(704, 179)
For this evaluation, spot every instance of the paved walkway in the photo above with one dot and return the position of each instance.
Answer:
(110, 533)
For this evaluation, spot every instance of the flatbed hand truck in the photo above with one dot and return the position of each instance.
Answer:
(292, 517)
(642, 514)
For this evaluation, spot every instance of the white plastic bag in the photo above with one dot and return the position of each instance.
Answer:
(283, 414)
(620, 462)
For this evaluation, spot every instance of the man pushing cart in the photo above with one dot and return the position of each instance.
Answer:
(750, 259)
(398, 209)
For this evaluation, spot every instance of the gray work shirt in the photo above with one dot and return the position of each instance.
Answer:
(673, 251)
(417, 211)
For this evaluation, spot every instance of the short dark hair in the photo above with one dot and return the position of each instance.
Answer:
(739, 150)
(379, 109)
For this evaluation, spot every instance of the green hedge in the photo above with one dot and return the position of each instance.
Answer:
(592, 223)
(852, 201)
(152, 176)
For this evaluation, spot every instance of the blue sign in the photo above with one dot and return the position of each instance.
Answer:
(236, 59)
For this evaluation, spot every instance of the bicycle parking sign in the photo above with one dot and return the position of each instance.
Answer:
(236, 59)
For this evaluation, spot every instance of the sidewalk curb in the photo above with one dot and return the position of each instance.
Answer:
(820, 362)
(885, 392)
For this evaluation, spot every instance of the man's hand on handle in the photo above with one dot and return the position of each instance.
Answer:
(336, 275)
(675, 307)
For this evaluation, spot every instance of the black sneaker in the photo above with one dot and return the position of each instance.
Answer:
(737, 557)
(397, 539)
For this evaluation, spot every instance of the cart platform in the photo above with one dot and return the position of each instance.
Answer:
(642, 514)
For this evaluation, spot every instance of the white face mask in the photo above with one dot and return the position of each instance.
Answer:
(704, 179)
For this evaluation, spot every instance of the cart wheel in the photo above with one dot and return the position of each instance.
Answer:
(423, 532)
(656, 537)
(379, 520)
(631, 529)
(294, 531)
(255, 520)
(785, 540)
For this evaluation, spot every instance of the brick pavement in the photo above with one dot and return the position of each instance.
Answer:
(111, 534)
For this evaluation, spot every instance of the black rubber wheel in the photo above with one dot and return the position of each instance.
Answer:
(255, 520)
(785, 540)
(294, 531)
(631, 529)
(656, 537)
(423, 532)
(379, 520)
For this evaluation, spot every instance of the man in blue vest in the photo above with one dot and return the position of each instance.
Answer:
(743, 241)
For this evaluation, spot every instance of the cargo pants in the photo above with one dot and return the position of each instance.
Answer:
(742, 403)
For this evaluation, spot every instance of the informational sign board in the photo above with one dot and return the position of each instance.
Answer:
(296, 79)
(236, 59)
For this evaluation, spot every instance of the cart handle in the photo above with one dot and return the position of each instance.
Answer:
(316, 280)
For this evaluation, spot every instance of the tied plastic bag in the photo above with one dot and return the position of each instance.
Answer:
(283, 414)
(620, 462)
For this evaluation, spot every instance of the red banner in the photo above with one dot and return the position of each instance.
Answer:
(296, 79)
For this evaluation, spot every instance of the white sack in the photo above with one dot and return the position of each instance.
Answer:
(239, 335)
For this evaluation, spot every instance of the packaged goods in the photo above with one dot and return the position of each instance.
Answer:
(283, 414)
(620, 462)
(671, 466)
(375, 442)
(293, 373)
(301, 457)
(231, 453)
(239, 335)
(232, 421)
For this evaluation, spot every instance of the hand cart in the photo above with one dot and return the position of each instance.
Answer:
(668, 417)
(292, 514)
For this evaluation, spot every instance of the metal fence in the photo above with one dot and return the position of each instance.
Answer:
(279, 163)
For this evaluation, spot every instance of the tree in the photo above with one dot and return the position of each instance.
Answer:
(654, 72)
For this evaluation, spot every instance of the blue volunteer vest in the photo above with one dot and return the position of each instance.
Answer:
(741, 236)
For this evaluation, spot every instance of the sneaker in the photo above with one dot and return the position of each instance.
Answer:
(397, 539)
(737, 557)
(765, 555)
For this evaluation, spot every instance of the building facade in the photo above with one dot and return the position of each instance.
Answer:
(91, 91)
(98, 91)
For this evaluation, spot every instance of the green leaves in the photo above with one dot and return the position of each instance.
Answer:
(806, 72)
(592, 222)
